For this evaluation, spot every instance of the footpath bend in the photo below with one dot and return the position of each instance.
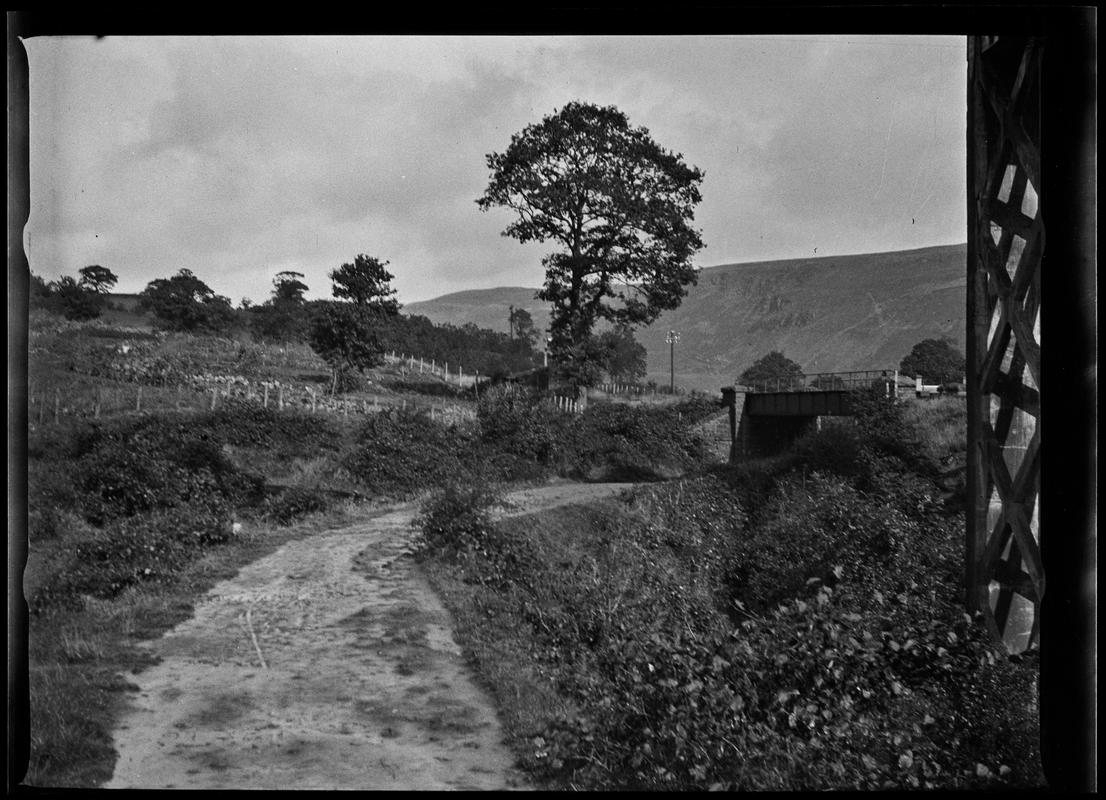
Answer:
(328, 664)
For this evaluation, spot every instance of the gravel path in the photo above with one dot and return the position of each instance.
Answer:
(329, 664)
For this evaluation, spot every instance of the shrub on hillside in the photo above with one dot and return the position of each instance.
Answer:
(243, 424)
(809, 526)
(147, 548)
(696, 407)
(295, 503)
(398, 451)
(851, 665)
(456, 519)
(624, 442)
(130, 467)
(516, 421)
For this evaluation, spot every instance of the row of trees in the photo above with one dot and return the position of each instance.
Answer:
(935, 360)
(616, 206)
(81, 298)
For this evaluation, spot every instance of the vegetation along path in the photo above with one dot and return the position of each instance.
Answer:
(329, 664)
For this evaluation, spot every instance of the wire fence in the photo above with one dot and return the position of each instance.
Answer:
(50, 405)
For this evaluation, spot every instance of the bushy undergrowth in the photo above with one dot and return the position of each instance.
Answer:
(789, 625)
(150, 547)
(398, 452)
(613, 441)
(130, 500)
(294, 503)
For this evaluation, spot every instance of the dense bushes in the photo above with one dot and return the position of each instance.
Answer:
(516, 421)
(145, 548)
(793, 624)
(400, 452)
(294, 503)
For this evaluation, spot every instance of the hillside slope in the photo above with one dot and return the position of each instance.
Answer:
(828, 314)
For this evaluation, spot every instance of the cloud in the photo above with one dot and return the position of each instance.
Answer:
(237, 157)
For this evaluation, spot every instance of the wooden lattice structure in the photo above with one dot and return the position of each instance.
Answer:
(1005, 578)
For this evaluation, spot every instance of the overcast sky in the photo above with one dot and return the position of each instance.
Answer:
(238, 157)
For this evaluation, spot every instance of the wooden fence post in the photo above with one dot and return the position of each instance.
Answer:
(312, 400)
(265, 399)
(280, 397)
(214, 395)
(138, 400)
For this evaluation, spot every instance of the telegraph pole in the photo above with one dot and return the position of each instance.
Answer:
(671, 339)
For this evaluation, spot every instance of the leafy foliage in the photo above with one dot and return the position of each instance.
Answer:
(97, 279)
(475, 349)
(147, 548)
(456, 519)
(347, 337)
(624, 357)
(771, 367)
(514, 420)
(618, 206)
(294, 503)
(283, 317)
(628, 442)
(77, 302)
(520, 325)
(185, 303)
(935, 360)
(776, 627)
(367, 283)
(397, 452)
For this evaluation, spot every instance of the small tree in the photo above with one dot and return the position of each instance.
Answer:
(283, 317)
(288, 288)
(770, 368)
(624, 356)
(520, 325)
(619, 208)
(365, 282)
(935, 360)
(185, 303)
(347, 337)
(98, 279)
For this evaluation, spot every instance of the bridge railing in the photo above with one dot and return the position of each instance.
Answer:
(829, 382)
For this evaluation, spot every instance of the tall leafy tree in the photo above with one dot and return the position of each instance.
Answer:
(774, 366)
(619, 209)
(936, 360)
(183, 302)
(366, 282)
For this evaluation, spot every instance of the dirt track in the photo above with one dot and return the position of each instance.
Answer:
(329, 664)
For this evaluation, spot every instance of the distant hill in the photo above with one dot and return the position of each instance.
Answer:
(828, 314)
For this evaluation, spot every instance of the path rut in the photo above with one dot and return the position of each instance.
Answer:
(329, 664)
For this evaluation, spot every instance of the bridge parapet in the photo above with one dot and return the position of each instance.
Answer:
(829, 382)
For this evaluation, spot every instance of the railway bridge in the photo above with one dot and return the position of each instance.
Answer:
(765, 418)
